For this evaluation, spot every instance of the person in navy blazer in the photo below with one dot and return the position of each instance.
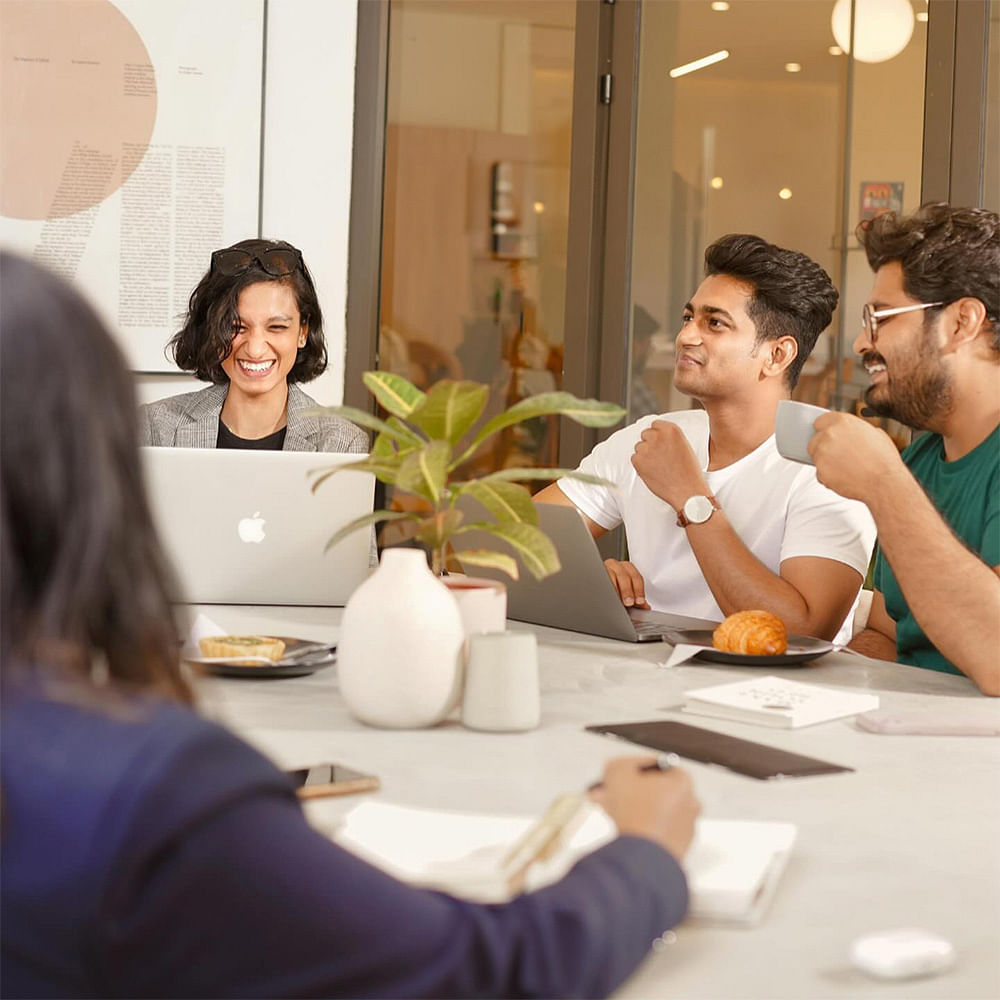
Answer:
(149, 852)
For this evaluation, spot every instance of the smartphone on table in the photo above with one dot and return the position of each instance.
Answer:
(330, 779)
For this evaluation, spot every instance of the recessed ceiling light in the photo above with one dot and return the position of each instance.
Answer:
(719, 5)
(785, 193)
(699, 63)
(716, 182)
(921, 15)
(835, 50)
(793, 67)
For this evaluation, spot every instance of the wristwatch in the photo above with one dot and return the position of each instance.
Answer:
(697, 510)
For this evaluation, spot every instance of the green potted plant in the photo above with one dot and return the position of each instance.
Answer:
(401, 642)
(424, 443)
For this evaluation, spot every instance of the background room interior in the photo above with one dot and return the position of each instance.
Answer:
(788, 136)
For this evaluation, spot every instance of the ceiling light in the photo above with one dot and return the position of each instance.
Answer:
(793, 67)
(882, 28)
(699, 63)
(716, 182)
(835, 50)
(785, 193)
(539, 207)
(719, 5)
(921, 16)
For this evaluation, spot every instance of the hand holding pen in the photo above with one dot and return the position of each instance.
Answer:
(650, 797)
(645, 796)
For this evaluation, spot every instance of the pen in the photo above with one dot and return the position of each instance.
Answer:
(545, 836)
(663, 762)
(542, 838)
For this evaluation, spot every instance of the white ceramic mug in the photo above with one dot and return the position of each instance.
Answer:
(481, 603)
(793, 428)
(501, 682)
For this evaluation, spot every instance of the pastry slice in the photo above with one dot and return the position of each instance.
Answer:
(219, 646)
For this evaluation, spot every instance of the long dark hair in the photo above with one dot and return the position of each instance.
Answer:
(84, 585)
(205, 339)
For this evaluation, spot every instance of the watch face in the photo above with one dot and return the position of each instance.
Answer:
(698, 509)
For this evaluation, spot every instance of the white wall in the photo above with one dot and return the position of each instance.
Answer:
(308, 136)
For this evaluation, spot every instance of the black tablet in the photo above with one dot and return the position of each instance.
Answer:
(743, 756)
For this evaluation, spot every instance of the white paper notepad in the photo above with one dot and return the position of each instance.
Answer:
(732, 866)
(774, 701)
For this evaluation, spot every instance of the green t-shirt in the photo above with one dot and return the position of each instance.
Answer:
(967, 495)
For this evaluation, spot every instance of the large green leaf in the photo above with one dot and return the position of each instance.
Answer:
(589, 412)
(494, 560)
(381, 469)
(393, 392)
(532, 544)
(425, 472)
(366, 519)
(505, 501)
(384, 448)
(435, 531)
(407, 431)
(450, 408)
(400, 444)
(364, 419)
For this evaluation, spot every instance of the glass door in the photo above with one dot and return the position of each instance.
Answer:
(476, 201)
(755, 117)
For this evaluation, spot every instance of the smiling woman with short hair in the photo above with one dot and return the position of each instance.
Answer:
(254, 329)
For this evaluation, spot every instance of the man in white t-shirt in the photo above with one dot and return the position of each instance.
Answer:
(716, 520)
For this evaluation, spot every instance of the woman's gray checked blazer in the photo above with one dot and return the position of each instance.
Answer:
(191, 420)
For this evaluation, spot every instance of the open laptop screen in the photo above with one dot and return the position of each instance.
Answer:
(581, 596)
(244, 527)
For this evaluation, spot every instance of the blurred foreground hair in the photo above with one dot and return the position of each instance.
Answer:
(85, 589)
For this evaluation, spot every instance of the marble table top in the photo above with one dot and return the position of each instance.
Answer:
(911, 837)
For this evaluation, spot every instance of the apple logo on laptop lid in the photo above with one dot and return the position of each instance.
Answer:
(251, 529)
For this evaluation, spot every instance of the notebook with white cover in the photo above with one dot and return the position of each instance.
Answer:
(774, 701)
(732, 866)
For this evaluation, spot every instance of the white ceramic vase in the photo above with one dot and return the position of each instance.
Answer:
(400, 646)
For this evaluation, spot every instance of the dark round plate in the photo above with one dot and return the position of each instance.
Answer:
(296, 666)
(300, 668)
(801, 649)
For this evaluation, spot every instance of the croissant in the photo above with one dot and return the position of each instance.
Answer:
(758, 633)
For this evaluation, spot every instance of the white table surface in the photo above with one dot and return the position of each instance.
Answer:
(911, 838)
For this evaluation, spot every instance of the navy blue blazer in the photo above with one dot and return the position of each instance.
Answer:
(148, 852)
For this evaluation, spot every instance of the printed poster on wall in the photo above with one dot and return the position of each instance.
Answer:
(130, 149)
(878, 197)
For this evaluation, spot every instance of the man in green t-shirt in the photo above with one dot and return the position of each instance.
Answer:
(931, 345)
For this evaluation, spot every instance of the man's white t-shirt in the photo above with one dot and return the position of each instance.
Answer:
(777, 507)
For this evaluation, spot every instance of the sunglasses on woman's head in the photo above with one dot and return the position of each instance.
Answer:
(276, 261)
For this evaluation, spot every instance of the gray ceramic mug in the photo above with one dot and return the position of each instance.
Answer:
(793, 429)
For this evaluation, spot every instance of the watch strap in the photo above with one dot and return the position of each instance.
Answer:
(682, 519)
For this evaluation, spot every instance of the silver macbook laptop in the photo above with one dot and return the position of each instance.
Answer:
(244, 527)
(581, 596)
